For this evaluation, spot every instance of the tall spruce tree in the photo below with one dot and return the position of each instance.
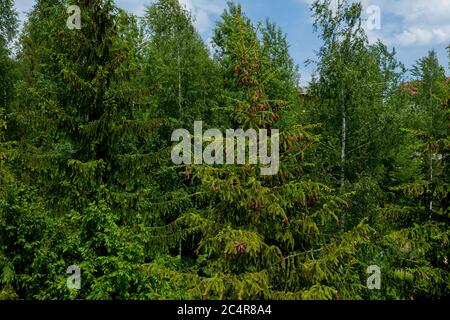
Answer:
(264, 237)
(415, 248)
(8, 184)
(87, 149)
(285, 82)
(8, 27)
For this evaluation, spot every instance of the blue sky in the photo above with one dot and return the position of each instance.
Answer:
(413, 27)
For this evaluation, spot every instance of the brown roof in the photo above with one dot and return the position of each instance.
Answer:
(412, 86)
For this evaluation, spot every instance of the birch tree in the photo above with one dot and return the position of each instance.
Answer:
(350, 93)
(180, 73)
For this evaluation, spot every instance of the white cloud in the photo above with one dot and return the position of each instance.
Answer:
(22, 7)
(413, 22)
(407, 23)
(203, 11)
(136, 7)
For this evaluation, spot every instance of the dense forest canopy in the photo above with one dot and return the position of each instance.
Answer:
(87, 180)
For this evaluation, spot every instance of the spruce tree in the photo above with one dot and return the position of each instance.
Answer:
(415, 247)
(87, 148)
(8, 25)
(264, 237)
(284, 83)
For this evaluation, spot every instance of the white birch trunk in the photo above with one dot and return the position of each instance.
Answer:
(343, 153)
(179, 81)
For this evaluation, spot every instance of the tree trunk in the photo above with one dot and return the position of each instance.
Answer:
(431, 153)
(343, 146)
(343, 153)
(179, 81)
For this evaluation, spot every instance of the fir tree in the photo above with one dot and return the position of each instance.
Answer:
(8, 25)
(416, 246)
(264, 237)
(87, 147)
(285, 82)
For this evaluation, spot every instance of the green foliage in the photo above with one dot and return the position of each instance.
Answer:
(182, 78)
(356, 104)
(254, 234)
(417, 233)
(86, 177)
